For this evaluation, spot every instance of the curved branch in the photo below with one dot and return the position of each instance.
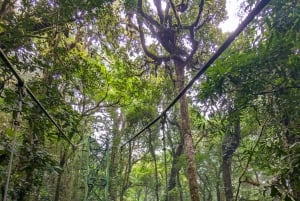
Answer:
(195, 24)
(250, 158)
(144, 15)
(194, 27)
(195, 45)
(156, 58)
(160, 14)
(94, 109)
(197, 20)
(175, 13)
(199, 26)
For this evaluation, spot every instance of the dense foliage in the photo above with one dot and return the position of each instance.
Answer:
(104, 69)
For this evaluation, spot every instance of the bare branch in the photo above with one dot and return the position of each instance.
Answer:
(144, 15)
(98, 106)
(250, 158)
(160, 14)
(199, 26)
(175, 13)
(195, 45)
(249, 181)
(195, 24)
(147, 52)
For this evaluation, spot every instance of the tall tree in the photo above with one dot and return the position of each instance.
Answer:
(178, 39)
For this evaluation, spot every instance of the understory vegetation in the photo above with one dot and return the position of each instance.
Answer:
(85, 120)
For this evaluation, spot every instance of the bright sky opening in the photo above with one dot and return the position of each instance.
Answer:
(232, 7)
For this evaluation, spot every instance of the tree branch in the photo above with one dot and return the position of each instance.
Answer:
(175, 13)
(195, 24)
(144, 15)
(160, 14)
(249, 159)
(199, 26)
(6, 5)
(98, 105)
(147, 52)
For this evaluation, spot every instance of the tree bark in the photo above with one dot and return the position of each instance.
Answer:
(114, 156)
(179, 188)
(175, 167)
(226, 168)
(218, 191)
(59, 177)
(152, 151)
(229, 145)
(291, 139)
(189, 149)
(128, 167)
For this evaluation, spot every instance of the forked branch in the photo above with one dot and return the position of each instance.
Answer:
(144, 15)
(156, 58)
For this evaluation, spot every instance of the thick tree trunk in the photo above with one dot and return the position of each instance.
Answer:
(229, 145)
(189, 149)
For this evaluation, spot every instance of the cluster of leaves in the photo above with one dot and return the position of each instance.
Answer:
(90, 75)
(257, 79)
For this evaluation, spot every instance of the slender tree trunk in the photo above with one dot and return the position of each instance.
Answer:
(218, 174)
(75, 186)
(218, 191)
(207, 187)
(125, 184)
(59, 177)
(202, 189)
(179, 188)
(146, 194)
(176, 153)
(57, 189)
(152, 151)
(114, 156)
(186, 133)
(226, 168)
(174, 179)
(229, 145)
(175, 166)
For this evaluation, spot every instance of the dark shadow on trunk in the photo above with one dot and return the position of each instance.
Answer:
(189, 149)
(126, 183)
(152, 151)
(175, 166)
(218, 184)
(230, 143)
(59, 177)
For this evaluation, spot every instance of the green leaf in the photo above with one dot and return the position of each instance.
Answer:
(9, 132)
